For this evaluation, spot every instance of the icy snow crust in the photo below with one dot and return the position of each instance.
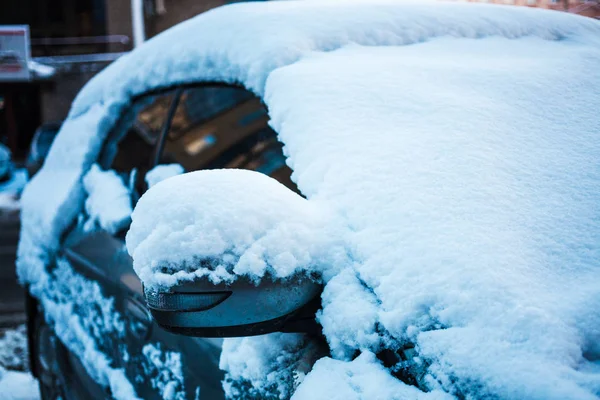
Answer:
(470, 214)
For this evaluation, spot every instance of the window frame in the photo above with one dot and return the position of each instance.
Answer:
(118, 131)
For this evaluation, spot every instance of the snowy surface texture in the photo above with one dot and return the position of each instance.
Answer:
(16, 385)
(16, 382)
(463, 169)
(108, 202)
(238, 222)
(163, 369)
(13, 349)
(467, 171)
(162, 172)
(243, 43)
(87, 323)
(268, 366)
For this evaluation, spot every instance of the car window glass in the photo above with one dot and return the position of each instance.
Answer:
(128, 155)
(224, 127)
(133, 152)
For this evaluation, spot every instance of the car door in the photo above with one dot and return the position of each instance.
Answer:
(198, 127)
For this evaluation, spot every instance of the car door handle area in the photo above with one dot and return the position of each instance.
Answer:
(83, 265)
(138, 317)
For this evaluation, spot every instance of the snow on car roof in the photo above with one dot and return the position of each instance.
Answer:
(463, 167)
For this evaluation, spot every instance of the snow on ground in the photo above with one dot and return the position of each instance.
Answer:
(13, 349)
(16, 383)
(9, 204)
(10, 191)
(477, 241)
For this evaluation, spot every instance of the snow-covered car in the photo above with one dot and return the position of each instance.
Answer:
(408, 188)
(5, 163)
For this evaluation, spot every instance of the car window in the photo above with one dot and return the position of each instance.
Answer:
(224, 127)
(132, 148)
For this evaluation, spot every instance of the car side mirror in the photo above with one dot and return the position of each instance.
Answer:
(226, 253)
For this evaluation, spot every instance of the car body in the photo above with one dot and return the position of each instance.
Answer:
(195, 97)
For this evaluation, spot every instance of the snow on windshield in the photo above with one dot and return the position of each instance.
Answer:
(445, 239)
(465, 174)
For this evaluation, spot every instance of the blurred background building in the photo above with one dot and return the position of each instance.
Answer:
(70, 41)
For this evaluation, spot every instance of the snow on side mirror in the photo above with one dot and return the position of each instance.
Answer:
(229, 253)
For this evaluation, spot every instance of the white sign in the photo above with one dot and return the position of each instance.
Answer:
(14, 53)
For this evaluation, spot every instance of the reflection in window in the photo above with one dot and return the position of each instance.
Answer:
(224, 127)
(137, 134)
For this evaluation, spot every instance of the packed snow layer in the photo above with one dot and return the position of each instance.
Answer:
(16, 385)
(162, 172)
(108, 201)
(16, 382)
(87, 323)
(237, 221)
(467, 171)
(363, 378)
(435, 267)
(268, 366)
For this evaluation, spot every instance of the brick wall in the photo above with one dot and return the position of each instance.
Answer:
(581, 7)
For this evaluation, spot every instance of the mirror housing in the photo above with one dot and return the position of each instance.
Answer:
(230, 253)
(242, 308)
